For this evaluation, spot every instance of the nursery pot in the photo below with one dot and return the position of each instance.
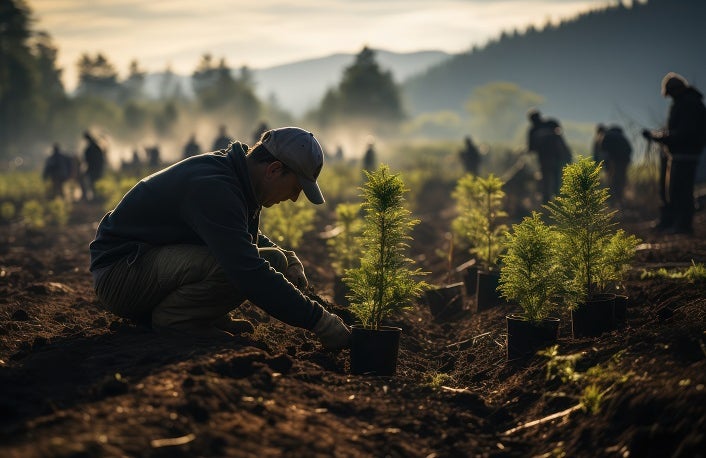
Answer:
(487, 295)
(594, 317)
(445, 302)
(621, 311)
(340, 291)
(525, 337)
(374, 351)
(470, 279)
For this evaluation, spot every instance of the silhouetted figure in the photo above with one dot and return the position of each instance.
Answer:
(154, 159)
(369, 158)
(683, 141)
(470, 156)
(223, 140)
(191, 148)
(261, 129)
(338, 155)
(597, 140)
(57, 170)
(545, 139)
(94, 158)
(617, 154)
(132, 166)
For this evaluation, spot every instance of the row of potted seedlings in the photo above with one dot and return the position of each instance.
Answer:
(572, 262)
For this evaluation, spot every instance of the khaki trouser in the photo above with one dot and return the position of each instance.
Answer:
(178, 287)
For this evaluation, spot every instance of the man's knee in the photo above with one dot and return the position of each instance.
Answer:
(276, 258)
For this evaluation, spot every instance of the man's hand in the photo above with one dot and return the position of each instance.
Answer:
(332, 332)
(295, 274)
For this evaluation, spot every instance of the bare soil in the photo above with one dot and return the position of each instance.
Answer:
(76, 381)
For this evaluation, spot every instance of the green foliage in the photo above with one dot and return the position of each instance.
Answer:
(344, 248)
(435, 380)
(340, 180)
(695, 273)
(497, 110)
(33, 214)
(590, 250)
(591, 399)
(365, 92)
(384, 283)
(286, 223)
(58, 211)
(479, 202)
(530, 272)
(7, 211)
(561, 366)
(112, 187)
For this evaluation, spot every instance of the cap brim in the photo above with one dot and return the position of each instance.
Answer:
(311, 191)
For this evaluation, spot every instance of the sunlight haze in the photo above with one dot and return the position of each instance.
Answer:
(176, 33)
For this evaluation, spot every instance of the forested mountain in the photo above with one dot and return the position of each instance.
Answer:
(604, 65)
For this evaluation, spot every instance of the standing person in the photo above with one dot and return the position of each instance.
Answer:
(617, 153)
(57, 170)
(682, 141)
(94, 158)
(545, 138)
(596, 149)
(369, 158)
(191, 148)
(182, 248)
(470, 156)
(222, 141)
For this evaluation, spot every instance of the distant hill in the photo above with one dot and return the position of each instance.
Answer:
(602, 66)
(299, 86)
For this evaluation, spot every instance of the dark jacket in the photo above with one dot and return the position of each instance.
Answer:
(204, 200)
(686, 125)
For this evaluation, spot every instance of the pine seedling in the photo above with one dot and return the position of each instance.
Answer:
(530, 275)
(385, 282)
(344, 248)
(479, 202)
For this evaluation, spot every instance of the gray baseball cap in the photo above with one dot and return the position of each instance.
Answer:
(301, 152)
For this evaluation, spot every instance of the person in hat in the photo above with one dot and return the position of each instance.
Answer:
(682, 142)
(545, 138)
(182, 249)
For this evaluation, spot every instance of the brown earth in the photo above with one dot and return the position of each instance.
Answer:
(76, 381)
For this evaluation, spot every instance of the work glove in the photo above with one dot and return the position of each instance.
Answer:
(332, 332)
(295, 274)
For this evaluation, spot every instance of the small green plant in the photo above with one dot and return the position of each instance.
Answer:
(480, 213)
(7, 211)
(561, 366)
(591, 399)
(530, 274)
(695, 273)
(590, 250)
(58, 211)
(385, 282)
(435, 380)
(344, 248)
(33, 214)
(287, 223)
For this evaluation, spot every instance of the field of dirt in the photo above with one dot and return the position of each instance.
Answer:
(76, 381)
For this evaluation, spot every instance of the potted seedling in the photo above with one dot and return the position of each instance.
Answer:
(385, 283)
(530, 278)
(344, 247)
(479, 221)
(446, 302)
(588, 246)
(619, 253)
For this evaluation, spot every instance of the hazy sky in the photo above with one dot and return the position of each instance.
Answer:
(262, 33)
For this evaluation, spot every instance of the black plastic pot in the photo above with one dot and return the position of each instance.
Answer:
(487, 295)
(525, 337)
(470, 279)
(446, 302)
(594, 317)
(621, 311)
(374, 351)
